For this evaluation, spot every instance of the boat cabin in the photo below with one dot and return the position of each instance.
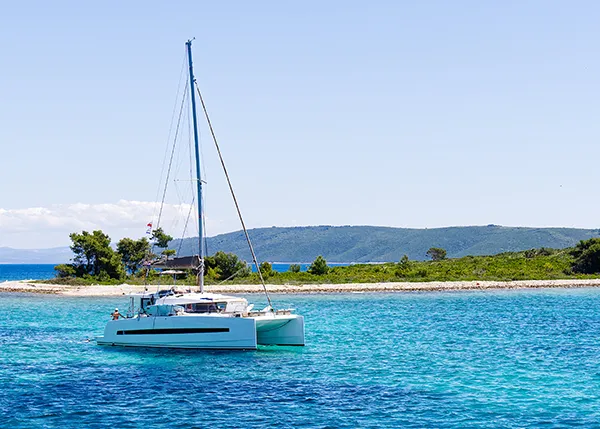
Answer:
(170, 303)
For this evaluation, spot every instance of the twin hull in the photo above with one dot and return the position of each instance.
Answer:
(205, 332)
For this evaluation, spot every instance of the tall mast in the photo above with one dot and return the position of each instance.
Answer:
(198, 176)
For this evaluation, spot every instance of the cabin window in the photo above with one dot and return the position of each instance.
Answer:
(146, 302)
(205, 307)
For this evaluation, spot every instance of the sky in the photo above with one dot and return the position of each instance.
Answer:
(394, 113)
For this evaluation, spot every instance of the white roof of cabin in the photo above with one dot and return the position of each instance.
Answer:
(192, 298)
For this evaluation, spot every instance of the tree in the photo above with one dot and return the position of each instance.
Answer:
(226, 265)
(294, 268)
(111, 267)
(169, 252)
(160, 239)
(133, 253)
(587, 256)
(266, 269)
(319, 266)
(94, 256)
(436, 253)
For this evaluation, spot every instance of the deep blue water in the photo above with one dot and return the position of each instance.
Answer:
(528, 358)
(26, 271)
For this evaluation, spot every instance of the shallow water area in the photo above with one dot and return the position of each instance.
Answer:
(526, 358)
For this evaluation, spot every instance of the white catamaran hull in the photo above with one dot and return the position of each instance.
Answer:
(279, 330)
(205, 332)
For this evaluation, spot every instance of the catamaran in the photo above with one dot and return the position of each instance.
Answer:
(176, 318)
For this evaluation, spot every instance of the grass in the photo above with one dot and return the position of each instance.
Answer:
(540, 264)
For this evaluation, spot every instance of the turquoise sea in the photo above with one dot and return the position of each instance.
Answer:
(527, 358)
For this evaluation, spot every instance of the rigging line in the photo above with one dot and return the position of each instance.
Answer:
(205, 238)
(204, 228)
(162, 169)
(186, 224)
(214, 137)
(162, 203)
(180, 202)
(204, 202)
(179, 158)
(233, 275)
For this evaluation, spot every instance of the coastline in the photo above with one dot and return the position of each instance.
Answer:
(28, 286)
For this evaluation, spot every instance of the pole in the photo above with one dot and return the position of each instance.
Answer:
(198, 176)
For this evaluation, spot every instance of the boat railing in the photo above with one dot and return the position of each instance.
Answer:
(284, 312)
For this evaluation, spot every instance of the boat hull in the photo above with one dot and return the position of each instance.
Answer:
(280, 330)
(193, 332)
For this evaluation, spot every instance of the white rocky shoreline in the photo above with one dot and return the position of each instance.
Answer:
(27, 286)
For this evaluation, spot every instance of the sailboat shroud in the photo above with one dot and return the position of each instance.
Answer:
(200, 320)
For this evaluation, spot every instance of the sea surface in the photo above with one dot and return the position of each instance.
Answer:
(517, 359)
(12, 272)
(46, 271)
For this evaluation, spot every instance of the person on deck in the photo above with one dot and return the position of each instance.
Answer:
(115, 314)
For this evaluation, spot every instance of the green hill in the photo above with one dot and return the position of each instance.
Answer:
(384, 244)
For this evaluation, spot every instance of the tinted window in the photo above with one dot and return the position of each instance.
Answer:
(205, 307)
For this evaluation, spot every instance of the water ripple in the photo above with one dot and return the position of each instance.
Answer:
(445, 360)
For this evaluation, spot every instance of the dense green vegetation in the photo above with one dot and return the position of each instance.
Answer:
(527, 265)
(587, 256)
(96, 262)
(93, 258)
(133, 253)
(225, 266)
(383, 244)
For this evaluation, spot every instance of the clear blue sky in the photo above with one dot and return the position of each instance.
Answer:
(398, 113)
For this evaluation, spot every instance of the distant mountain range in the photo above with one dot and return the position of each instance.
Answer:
(384, 244)
(353, 243)
(55, 255)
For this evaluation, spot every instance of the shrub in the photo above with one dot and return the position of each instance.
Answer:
(401, 273)
(587, 256)
(422, 273)
(404, 261)
(65, 270)
(542, 251)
